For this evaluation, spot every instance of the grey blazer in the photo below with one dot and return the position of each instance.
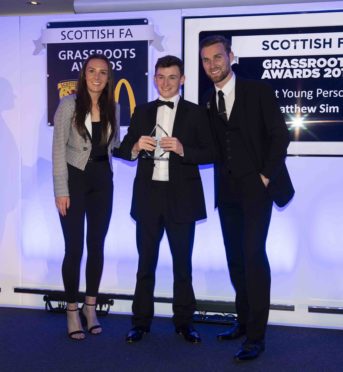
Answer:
(69, 147)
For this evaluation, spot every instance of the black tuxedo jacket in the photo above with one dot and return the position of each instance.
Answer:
(185, 192)
(264, 133)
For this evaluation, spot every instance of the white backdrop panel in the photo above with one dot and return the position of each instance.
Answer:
(305, 239)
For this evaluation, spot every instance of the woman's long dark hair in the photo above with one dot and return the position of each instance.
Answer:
(106, 103)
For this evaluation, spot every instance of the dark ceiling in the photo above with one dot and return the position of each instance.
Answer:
(21, 7)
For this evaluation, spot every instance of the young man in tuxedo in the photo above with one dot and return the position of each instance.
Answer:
(250, 173)
(170, 137)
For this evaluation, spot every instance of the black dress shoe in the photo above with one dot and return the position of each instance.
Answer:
(249, 350)
(232, 333)
(135, 334)
(189, 334)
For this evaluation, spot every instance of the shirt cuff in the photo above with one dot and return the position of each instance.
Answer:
(134, 155)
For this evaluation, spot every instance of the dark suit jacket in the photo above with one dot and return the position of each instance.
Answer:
(264, 133)
(185, 192)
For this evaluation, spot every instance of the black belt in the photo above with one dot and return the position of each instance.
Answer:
(98, 158)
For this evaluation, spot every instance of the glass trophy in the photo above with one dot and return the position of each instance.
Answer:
(158, 154)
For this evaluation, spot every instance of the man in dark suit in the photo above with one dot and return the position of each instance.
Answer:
(250, 173)
(170, 136)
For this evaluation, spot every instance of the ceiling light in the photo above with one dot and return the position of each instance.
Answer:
(33, 3)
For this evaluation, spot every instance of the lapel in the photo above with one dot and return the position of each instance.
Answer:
(179, 121)
(243, 111)
(151, 119)
(88, 124)
(241, 108)
(212, 107)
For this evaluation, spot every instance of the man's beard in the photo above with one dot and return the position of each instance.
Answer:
(219, 78)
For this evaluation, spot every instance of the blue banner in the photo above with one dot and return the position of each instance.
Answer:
(124, 42)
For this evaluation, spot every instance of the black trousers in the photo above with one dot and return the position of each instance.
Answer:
(149, 232)
(91, 194)
(245, 218)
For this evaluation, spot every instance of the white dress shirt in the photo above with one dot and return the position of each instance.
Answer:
(229, 94)
(165, 118)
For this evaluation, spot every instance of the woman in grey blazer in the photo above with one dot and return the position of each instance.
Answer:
(86, 130)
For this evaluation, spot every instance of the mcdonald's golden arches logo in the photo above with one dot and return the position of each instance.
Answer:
(130, 93)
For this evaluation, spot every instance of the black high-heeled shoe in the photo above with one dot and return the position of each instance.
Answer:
(84, 321)
(78, 332)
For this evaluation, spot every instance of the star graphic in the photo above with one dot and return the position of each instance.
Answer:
(38, 46)
(157, 42)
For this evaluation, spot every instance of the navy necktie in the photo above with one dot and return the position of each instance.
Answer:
(221, 105)
(167, 103)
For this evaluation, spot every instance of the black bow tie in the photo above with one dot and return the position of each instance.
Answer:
(167, 103)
